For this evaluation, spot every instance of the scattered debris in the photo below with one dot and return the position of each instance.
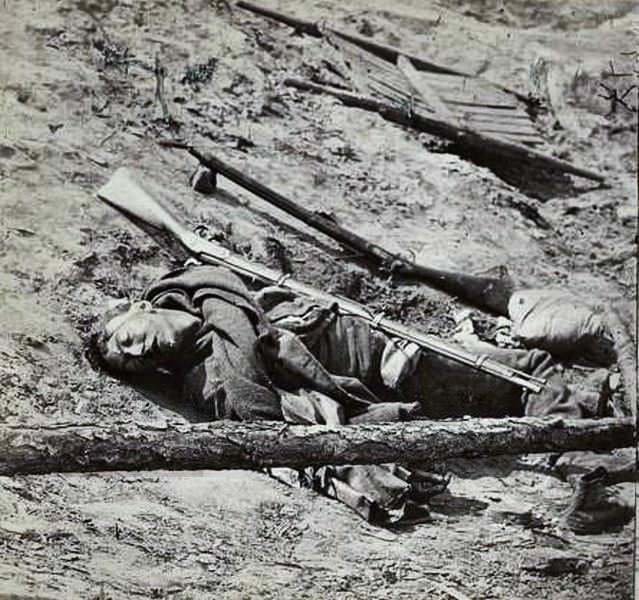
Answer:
(113, 56)
(383, 51)
(554, 562)
(199, 73)
(461, 100)
(461, 107)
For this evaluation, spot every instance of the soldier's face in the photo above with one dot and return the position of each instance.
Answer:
(145, 338)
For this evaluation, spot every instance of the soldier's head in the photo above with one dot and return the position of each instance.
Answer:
(136, 337)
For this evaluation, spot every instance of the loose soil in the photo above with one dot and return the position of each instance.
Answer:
(78, 100)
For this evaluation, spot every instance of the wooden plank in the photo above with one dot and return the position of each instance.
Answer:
(423, 90)
(474, 95)
(496, 111)
(464, 85)
(358, 55)
(473, 140)
(522, 128)
(494, 116)
(504, 132)
(520, 139)
(405, 86)
(388, 90)
(516, 135)
(484, 102)
(519, 129)
(455, 83)
(462, 82)
(444, 77)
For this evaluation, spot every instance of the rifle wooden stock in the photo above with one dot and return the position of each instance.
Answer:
(488, 293)
(125, 194)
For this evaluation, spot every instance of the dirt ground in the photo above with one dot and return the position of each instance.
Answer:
(78, 100)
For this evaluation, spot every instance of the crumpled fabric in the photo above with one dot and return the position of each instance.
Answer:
(303, 365)
(399, 361)
(224, 376)
(562, 324)
(290, 359)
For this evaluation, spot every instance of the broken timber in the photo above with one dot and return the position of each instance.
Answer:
(225, 445)
(467, 101)
(486, 112)
(383, 51)
(467, 138)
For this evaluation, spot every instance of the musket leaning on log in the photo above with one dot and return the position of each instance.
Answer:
(136, 447)
(123, 193)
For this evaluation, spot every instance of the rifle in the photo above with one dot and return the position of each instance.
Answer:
(488, 293)
(319, 29)
(126, 195)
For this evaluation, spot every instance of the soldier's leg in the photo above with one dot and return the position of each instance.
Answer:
(447, 388)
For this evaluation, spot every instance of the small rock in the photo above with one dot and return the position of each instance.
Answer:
(203, 180)
(23, 96)
(554, 562)
(6, 151)
(513, 514)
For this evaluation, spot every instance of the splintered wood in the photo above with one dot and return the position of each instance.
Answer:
(468, 102)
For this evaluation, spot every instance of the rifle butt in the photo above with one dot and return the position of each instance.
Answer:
(490, 293)
(124, 193)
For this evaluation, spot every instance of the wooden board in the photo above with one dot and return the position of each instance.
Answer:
(457, 99)
(492, 116)
(523, 128)
(423, 90)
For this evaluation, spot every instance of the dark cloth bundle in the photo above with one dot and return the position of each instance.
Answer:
(224, 376)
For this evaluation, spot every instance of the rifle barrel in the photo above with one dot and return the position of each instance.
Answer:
(126, 195)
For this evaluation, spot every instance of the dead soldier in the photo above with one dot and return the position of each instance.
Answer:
(272, 356)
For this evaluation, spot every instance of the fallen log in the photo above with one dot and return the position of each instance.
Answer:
(467, 138)
(224, 445)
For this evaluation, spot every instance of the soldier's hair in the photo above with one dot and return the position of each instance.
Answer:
(97, 338)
